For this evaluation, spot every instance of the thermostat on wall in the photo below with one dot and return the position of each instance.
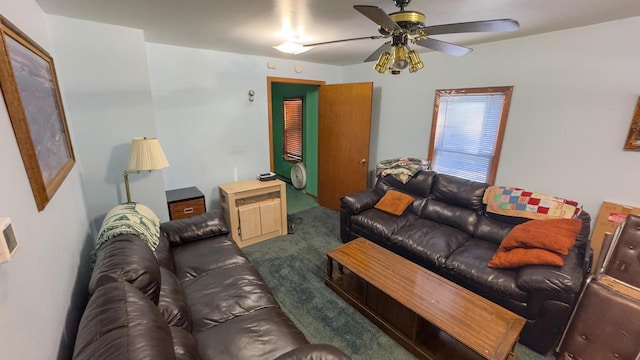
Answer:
(8, 242)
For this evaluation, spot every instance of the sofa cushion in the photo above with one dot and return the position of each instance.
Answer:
(260, 335)
(377, 226)
(457, 191)
(427, 243)
(163, 254)
(458, 217)
(566, 280)
(198, 227)
(419, 185)
(517, 257)
(556, 235)
(120, 322)
(184, 344)
(224, 294)
(172, 303)
(469, 263)
(491, 230)
(127, 258)
(200, 257)
(394, 202)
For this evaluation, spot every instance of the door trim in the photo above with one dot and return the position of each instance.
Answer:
(270, 80)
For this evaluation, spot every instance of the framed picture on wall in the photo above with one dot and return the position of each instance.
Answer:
(31, 94)
(633, 140)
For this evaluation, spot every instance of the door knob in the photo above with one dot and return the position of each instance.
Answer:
(363, 161)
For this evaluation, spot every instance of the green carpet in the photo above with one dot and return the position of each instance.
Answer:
(298, 201)
(294, 267)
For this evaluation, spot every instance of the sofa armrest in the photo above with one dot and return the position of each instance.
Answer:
(207, 225)
(566, 279)
(314, 352)
(356, 203)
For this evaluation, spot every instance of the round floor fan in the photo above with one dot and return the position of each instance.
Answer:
(299, 176)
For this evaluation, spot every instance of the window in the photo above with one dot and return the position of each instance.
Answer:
(293, 129)
(467, 130)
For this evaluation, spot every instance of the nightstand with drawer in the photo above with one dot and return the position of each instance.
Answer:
(185, 203)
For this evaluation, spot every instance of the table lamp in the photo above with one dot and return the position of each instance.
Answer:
(146, 155)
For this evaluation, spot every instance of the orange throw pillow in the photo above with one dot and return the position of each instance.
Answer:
(557, 235)
(508, 259)
(394, 202)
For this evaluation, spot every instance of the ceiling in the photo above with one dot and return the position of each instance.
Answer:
(253, 26)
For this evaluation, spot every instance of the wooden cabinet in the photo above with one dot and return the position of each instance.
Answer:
(255, 210)
(185, 203)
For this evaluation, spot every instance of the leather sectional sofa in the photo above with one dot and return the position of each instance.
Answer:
(448, 231)
(198, 297)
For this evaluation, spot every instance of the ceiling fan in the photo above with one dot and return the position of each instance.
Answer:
(406, 27)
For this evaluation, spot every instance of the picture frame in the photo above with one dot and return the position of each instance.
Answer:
(32, 97)
(633, 139)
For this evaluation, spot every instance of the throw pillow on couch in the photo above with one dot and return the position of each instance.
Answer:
(537, 242)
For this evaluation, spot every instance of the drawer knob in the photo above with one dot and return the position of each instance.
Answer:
(188, 210)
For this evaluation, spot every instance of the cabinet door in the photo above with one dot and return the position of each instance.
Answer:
(270, 216)
(249, 216)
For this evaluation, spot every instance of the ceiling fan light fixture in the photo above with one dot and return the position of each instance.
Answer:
(406, 27)
(415, 63)
(399, 58)
(383, 62)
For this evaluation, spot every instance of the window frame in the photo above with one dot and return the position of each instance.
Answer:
(507, 91)
(285, 153)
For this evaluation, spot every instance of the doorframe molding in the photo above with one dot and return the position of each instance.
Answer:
(270, 81)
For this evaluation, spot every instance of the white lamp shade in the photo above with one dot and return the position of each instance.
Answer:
(146, 154)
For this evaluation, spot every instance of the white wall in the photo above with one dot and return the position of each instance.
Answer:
(207, 125)
(36, 286)
(573, 100)
(108, 98)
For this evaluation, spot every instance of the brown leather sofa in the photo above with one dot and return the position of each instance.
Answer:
(198, 297)
(447, 230)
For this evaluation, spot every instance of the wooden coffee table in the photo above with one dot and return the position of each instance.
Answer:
(430, 316)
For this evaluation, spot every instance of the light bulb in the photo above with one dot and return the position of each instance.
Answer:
(400, 58)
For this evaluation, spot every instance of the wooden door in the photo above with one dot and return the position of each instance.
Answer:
(344, 126)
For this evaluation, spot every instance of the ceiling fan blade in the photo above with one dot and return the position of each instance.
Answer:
(376, 54)
(343, 40)
(378, 16)
(443, 46)
(473, 26)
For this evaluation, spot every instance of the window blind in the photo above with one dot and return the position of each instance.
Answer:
(467, 127)
(293, 129)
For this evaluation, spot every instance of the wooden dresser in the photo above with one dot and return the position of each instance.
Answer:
(185, 203)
